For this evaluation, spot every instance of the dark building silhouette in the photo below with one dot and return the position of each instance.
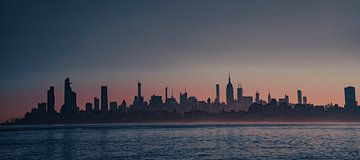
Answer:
(122, 107)
(183, 98)
(104, 99)
(239, 92)
(139, 96)
(229, 93)
(193, 101)
(350, 98)
(305, 100)
(51, 100)
(166, 93)
(113, 107)
(217, 99)
(88, 107)
(96, 104)
(269, 98)
(299, 95)
(41, 107)
(257, 97)
(285, 100)
(139, 99)
(156, 103)
(69, 105)
(139, 104)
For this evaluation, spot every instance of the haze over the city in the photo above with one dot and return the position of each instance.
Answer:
(277, 47)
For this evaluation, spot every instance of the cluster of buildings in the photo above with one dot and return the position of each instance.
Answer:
(157, 104)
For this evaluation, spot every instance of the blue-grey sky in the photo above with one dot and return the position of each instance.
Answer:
(273, 46)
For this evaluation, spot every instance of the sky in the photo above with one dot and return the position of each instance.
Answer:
(270, 46)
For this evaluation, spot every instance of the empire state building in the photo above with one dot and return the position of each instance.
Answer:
(229, 92)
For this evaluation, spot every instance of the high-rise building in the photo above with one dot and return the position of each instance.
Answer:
(69, 105)
(88, 107)
(184, 98)
(217, 99)
(229, 93)
(239, 93)
(156, 103)
(269, 98)
(140, 98)
(299, 95)
(113, 107)
(193, 101)
(305, 100)
(41, 107)
(350, 97)
(51, 100)
(285, 100)
(104, 99)
(122, 107)
(166, 93)
(257, 97)
(96, 104)
(67, 92)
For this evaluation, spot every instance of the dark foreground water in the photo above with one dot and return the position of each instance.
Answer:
(181, 141)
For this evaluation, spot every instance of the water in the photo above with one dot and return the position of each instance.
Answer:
(181, 141)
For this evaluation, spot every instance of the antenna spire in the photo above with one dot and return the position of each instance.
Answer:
(229, 78)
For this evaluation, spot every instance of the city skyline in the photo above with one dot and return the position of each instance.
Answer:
(105, 105)
(187, 108)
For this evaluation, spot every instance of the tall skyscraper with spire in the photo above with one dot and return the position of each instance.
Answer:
(139, 99)
(229, 92)
(269, 98)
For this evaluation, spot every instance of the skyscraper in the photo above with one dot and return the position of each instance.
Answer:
(184, 98)
(140, 99)
(257, 97)
(350, 97)
(67, 92)
(156, 103)
(96, 104)
(305, 100)
(88, 107)
(239, 92)
(166, 93)
(299, 95)
(229, 92)
(217, 99)
(51, 100)
(287, 99)
(122, 107)
(69, 105)
(113, 107)
(104, 99)
(269, 98)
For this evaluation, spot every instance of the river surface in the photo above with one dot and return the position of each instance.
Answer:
(182, 141)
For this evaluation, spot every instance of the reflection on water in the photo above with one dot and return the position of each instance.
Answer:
(182, 141)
